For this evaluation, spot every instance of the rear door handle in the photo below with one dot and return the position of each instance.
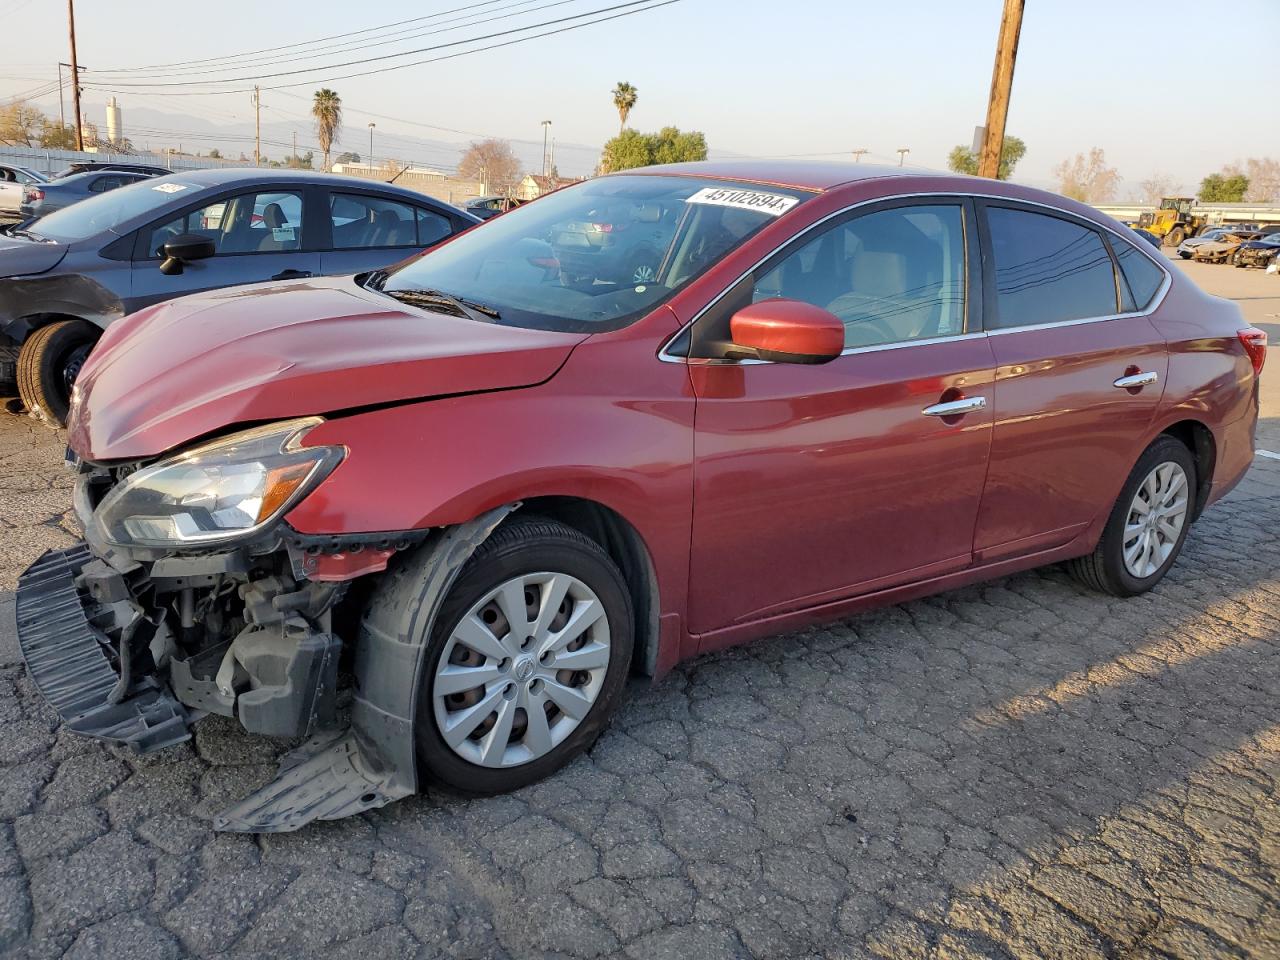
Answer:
(1137, 380)
(955, 408)
(292, 275)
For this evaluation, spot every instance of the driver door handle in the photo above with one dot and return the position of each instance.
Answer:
(955, 408)
(1137, 380)
(292, 275)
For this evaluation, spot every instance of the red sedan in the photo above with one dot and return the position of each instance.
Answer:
(488, 487)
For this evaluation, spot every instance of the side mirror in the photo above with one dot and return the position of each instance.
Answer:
(183, 249)
(785, 331)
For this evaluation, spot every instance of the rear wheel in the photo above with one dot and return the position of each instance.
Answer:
(1147, 526)
(1175, 237)
(527, 660)
(48, 366)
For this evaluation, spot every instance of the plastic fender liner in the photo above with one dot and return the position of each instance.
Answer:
(341, 773)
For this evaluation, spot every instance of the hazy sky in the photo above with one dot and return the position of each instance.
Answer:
(759, 78)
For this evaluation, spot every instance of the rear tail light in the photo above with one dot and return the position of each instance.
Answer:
(545, 263)
(34, 194)
(1255, 344)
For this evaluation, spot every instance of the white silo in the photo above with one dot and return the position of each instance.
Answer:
(115, 132)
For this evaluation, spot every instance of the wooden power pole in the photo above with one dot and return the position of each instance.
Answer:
(257, 127)
(1001, 83)
(75, 74)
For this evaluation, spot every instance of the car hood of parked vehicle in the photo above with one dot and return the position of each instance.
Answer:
(20, 257)
(202, 364)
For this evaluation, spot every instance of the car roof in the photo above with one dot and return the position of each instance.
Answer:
(233, 176)
(800, 174)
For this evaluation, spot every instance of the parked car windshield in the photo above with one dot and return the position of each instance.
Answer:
(594, 256)
(104, 211)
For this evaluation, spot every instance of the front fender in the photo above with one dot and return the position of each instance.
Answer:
(29, 303)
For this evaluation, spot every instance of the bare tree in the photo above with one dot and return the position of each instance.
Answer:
(20, 123)
(1086, 177)
(492, 162)
(1264, 179)
(1156, 187)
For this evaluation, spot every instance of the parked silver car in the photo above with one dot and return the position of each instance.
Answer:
(41, 199)
(13, 181)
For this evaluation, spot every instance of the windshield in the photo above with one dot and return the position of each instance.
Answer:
(593, 256)
(105, 211)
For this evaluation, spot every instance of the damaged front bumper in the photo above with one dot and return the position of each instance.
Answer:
(135, 651)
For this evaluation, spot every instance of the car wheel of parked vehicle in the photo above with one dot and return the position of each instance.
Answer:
(1147, 526)
(527, 660)
(643, 267)
(48, 365)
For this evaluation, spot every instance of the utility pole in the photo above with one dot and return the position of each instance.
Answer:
(902, 154)
(857, 154)
(75, 73)
(546, 125)
(1001, 84)
(293, 159)
(257, 127)
(371, 126)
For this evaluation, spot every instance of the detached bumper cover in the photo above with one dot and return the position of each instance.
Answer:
(72, 663)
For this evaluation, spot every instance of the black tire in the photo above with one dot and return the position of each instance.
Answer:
(1174, 237)
(526, 545)
(642, 267)
(1104, 569)
(48, 364)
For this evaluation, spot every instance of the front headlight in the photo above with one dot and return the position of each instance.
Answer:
(222, 491)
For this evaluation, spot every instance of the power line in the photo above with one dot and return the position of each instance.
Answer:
(124, 87)
(412, 33)
(301, 43)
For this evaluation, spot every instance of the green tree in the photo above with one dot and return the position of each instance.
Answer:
(57, 136)
(326, 108)
(1219, 188)
(964, 160)
(631, 149)
(215, 154)
(624, 98)
(349, 157)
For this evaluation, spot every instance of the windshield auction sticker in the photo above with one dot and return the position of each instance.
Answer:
(170, 187)
(774, 204)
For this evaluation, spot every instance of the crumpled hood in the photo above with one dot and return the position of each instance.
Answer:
(168, 374)
(20, 258)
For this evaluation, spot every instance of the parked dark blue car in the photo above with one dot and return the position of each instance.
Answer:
(65, 277)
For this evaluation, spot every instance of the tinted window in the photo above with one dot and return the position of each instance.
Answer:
(268, 222)
(360, 222)
(1142, 277)
(432, 228)
(891, 276)
(1048, 270)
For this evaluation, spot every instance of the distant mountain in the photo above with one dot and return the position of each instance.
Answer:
(148, 128)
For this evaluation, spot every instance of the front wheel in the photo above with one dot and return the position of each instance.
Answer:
(1175, 237)
(48, 366)
(1147, 526)
(527, 660)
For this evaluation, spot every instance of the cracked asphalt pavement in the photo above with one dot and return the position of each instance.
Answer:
(1018, 769)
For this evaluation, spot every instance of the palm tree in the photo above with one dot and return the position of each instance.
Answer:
(624, 98)
(327, 109)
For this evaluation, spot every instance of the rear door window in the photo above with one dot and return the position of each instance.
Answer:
(1047, 270)
(363, 222)
(1142, 278)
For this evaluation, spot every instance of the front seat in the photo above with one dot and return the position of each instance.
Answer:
(881, 307)
(273, 218)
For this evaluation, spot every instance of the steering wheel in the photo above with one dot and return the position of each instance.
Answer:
(868, 304)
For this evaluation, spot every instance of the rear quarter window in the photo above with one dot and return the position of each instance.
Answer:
(1142, 277)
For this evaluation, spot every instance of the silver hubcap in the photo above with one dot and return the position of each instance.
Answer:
(1155, 521)
(643, 274)
(521, 670)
